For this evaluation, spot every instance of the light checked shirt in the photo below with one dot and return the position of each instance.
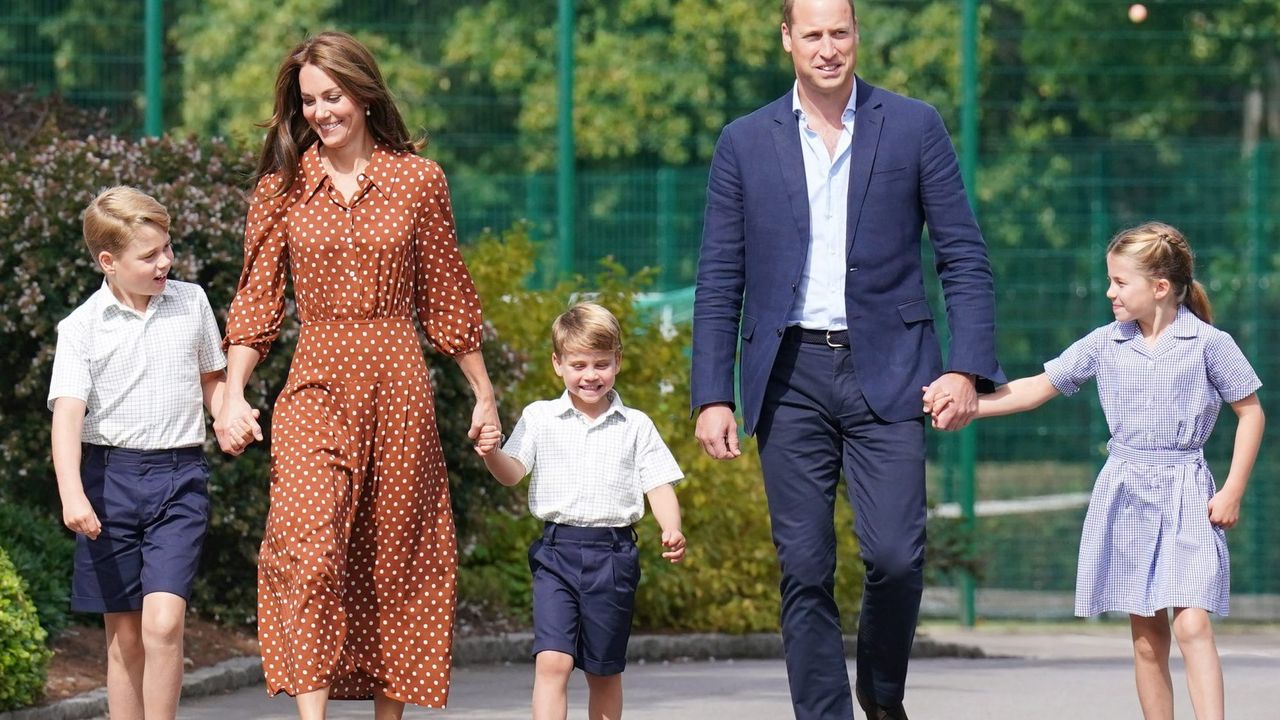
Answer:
(590, 473)
(139, 373)
(820, 299)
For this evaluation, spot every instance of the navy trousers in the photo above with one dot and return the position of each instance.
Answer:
(816, 423)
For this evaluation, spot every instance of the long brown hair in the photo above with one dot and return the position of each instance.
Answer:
(1162, 251)
(353, 68)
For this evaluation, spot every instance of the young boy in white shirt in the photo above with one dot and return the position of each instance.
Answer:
(593, 462)
(134, 364)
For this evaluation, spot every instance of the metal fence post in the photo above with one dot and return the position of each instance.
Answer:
(968, 440)
(153, 74)
(565, 180)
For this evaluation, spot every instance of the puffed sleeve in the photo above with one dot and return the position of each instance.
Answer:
(1077, 364)
(258, 307)
(1228, 370)
(444, 294)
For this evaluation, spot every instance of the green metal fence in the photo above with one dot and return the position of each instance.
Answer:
(1089, 123)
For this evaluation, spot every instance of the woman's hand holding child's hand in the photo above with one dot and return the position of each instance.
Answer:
(489, 439)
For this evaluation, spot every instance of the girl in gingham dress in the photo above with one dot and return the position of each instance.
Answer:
(1153, 536)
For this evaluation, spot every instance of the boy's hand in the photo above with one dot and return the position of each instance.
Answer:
(673, 540)
(236, 427)
(79, 517)
(1224, 509)
(488, 440)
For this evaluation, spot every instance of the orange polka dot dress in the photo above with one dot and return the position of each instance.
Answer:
(357, 570)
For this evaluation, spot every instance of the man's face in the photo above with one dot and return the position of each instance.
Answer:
(822, 40)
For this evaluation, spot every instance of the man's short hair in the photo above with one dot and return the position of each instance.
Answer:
(113, 217)
(787, 5)
(586, 327)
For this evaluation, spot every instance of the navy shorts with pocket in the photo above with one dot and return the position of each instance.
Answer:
(154, 510)
(584, 594)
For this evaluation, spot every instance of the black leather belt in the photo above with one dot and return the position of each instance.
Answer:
(830, 338)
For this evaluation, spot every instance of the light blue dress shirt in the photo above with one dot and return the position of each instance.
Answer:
(820, 299)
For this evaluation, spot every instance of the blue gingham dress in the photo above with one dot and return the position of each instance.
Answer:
(1147, 542)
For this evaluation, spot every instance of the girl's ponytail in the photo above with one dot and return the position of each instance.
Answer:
(1197, 301)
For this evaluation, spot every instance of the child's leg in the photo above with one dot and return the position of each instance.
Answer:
(550, 685)
(125, 662)
(1200, 654)
(1151, 665)
(163, 619)
(605, 696)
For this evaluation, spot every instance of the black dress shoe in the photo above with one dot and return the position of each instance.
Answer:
(876, 711)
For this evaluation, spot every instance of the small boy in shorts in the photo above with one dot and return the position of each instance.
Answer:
(134, 364)
(593, 461)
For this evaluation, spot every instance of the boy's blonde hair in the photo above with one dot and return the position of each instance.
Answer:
(112, 218)
(586, 327)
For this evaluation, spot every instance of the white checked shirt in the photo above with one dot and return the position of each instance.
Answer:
(590, 473)
(139, 373)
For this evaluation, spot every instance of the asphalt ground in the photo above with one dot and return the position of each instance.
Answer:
(1046, 673)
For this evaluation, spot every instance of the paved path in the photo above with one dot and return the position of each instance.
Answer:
(1072, 673)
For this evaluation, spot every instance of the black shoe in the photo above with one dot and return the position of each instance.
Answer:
(876, 711)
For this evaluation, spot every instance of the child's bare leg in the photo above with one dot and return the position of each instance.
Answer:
(385, 708)
(1151, 665)
(125, 663)
(550, 685)
(312, 705)
(163, 618)
(604, 696)
(1194, 631)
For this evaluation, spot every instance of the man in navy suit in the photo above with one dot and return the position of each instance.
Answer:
(811, 259)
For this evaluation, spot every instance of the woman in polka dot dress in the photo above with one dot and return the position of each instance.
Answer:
(356, 575)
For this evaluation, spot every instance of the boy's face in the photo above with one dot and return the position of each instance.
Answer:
(588, 376)
(142, 268)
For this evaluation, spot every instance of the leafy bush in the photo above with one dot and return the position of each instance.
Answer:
(24, 659)
(41, 551)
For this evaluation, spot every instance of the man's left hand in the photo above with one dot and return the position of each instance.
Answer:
(957, 392)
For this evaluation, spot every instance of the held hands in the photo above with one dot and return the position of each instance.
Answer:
(489, 440)
(484, 416)
(236, 426)
(673, 541)
(1224, 509)
(951, 401)
(79, 517)
(717, 431)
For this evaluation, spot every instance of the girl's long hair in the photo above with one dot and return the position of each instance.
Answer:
(1162, 251)
(353, 68)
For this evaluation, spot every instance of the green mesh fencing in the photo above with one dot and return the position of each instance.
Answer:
(1089, 123)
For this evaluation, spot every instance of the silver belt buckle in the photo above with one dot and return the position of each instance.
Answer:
(831, 344)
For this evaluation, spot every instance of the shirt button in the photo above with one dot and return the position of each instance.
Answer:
(1151, 365)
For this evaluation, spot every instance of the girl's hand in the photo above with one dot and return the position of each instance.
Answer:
(233, 417)
(1224, 509)
(484, 414)
(79, 517)
(489, 439)
(673, 540)
(935, 403)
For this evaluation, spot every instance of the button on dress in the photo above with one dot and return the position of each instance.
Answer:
(357, 569)
(1147, 543)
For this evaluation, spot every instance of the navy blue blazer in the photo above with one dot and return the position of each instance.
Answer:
(756, 236)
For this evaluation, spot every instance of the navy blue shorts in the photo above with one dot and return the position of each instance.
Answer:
(584, 594)
(154, 510)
